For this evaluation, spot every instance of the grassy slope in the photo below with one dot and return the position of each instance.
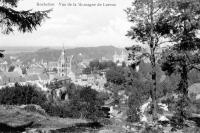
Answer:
(14, 116)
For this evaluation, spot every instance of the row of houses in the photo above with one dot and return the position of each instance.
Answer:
(96, 81)
(7, 78)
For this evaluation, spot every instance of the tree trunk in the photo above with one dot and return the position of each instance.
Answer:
(154, 98)
(184, 78)
(182, 104)
(153, 64)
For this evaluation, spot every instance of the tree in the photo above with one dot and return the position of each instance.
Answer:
(92, 103)
(86, 70)
(24, 21)
(55, 70)
(86, 103)
(94, 65)
(106, 65)
(1, 53)
(183, 22)
(19, 95)
(115, 76)
(53, 86)
(24, 70)
(145, 14)
(11, 68)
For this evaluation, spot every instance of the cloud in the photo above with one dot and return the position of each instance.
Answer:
(76, 26)
(113, 33)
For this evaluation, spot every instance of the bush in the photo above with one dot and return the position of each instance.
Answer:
(85, 103)
(19, 95)
(134, 103)
(88, 104)
(116, 75)
(149, 129)
(34, 108)
(60, 110)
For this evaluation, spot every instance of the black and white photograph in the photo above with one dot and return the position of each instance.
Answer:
(99, 66)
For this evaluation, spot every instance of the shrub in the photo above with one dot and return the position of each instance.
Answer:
(133, 104)
(149, 129)
(19, 95)
(116, 76)
(34, 108)
(88, 104)
(85, 103)
(60, 110)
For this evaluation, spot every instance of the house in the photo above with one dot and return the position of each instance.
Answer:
(52, 65)
(18, 70)
(35, 69)
(11, 77)
(104, 59)
(64, 79)
(32, 78)
(44, 78)
(120, 58)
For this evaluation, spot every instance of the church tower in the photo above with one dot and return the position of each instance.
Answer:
(115, 57)
(62, 65)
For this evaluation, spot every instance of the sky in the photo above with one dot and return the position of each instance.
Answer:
(75, 26)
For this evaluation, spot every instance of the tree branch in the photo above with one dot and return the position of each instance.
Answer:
(26, 21)
(165, 42)
(194, 67)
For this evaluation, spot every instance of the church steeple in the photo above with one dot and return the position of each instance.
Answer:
(62, 70)
(63, 50)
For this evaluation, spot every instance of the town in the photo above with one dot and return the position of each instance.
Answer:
(128, 67)
(41, 73)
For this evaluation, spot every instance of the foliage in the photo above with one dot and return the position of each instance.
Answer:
(55, 70)
(64, 88)
(59, 110)
(134, 103)
(24, 21)
(106, 65)
(35, 108)
(115, 75)
(55, 84)
(18, 95)
(84, 103)
(97, 65)
(133, 84)
(183, 24)
(151, 129)
(94, 64)
(24, 70)
(168, 86)
(87, 70)
(1, 53)
(11, 68)
(139, 91)
(145, 15)
(88, 104)
(137, 86)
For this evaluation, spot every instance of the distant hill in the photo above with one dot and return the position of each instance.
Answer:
(19, 49)
(50, 54)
